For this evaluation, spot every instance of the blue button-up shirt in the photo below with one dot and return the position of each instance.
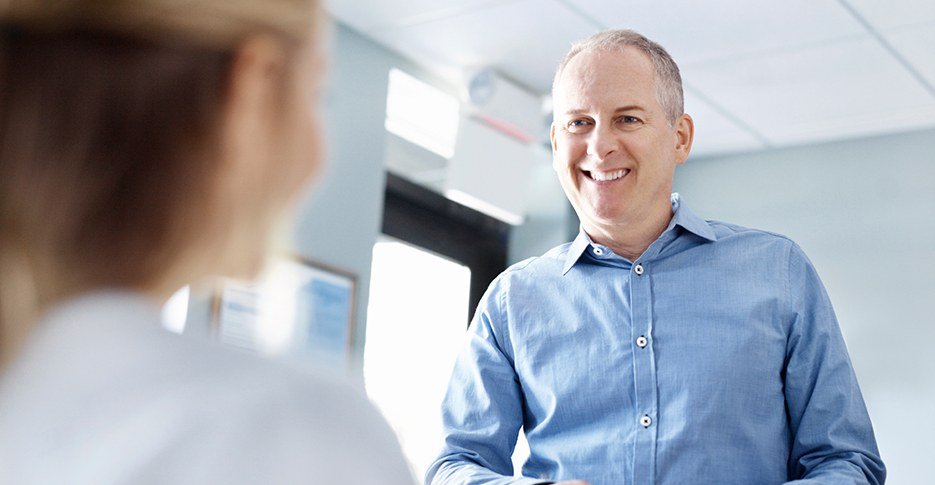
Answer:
(715, 357)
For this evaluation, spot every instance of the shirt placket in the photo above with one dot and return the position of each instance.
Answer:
(644, 372)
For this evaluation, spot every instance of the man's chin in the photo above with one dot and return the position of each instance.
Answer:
(608, 214)
(606, 218)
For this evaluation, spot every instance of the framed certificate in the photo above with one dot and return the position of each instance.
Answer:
(298, 308)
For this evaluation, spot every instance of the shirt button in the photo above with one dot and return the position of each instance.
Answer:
(646, 421)
(598, 251)
(638, 269)
(641, 341)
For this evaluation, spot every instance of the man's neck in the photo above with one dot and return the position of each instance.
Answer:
(630, 239)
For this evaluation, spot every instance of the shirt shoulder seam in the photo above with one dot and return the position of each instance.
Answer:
(737, 229)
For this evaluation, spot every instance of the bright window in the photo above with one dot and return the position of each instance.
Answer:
(175, 310)
(421, 113)
(416, 324)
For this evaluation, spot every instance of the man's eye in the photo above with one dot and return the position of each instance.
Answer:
(578, 124)
(629, 119)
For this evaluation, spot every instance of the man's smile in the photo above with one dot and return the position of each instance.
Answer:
(606, 175)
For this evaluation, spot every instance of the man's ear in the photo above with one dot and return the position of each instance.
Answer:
(552, 137)
(554, 147)
(684, 135)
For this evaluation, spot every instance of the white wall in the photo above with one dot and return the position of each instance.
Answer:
(864, 211)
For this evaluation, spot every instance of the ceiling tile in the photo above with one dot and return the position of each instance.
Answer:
(523, 40)
(702, 31)
(894, 13)
(716, 134)
(367, 15)
(917, 45)
(843, 89)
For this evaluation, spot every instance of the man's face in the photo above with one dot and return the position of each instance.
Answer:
(613, 148)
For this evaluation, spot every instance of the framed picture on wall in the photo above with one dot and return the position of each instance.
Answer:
(298, 308)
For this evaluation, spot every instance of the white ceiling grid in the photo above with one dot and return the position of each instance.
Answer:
(757, 73)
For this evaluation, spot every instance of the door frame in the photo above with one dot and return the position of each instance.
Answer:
(422, 217)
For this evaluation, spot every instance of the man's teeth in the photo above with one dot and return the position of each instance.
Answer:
(605, 176)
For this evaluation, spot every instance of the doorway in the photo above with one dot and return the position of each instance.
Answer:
(430, 269)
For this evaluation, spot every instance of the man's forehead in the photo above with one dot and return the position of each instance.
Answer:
(617, 61)
(612, 75)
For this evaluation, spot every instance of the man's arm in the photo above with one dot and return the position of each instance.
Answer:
(482, 410)
(833, 439)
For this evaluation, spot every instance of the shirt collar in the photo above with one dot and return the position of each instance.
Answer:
(577, 248)
(682, 216)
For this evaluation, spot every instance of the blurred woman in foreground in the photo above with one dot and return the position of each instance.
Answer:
(144, 145)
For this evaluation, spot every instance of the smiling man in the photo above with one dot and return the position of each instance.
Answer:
(657, 347)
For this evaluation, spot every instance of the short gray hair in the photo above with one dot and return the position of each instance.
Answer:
(668, 80)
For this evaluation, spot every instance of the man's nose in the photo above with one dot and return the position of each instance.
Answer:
(602, 143)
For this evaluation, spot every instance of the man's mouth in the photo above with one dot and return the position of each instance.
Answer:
(606, 176)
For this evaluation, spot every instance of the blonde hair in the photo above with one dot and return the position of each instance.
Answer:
(668, 79)
(209, 23)
(109, 117)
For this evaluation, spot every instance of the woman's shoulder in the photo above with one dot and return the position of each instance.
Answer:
(109, 383)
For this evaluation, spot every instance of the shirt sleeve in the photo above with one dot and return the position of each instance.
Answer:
(832, 437)
(482, 409)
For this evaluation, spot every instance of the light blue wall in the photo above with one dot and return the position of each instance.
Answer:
(340, 220)
(338, 223)
(864, 211)
(549, 220)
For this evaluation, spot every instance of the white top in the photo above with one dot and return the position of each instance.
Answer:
(103, 395)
